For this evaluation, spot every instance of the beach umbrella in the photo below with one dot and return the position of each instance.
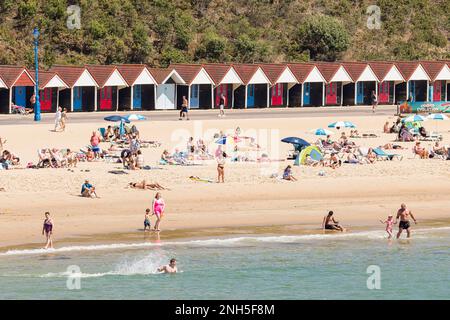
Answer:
(414, 118)
(296, 141)
(116, 119)
(222, 140)
(134, 117)
(321, 132)
(341, 124)
(437, 116)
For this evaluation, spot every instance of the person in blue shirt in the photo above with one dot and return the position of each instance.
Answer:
(88, 190)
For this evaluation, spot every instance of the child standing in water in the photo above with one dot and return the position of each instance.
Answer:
(389, 225)
(48, 230)
(147, 220)
(158, 209)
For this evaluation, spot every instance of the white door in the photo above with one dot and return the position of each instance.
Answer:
(165, 94)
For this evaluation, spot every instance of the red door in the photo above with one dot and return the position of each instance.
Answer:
(383, 92)
(106, 98)
(223, 88)
(331, 95)
(45, 97)
(277, 95)
(437, 91)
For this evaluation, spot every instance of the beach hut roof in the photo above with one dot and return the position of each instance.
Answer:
(15, 76)
(107, 76)
(412, 70)
(222, 73)
(437, 70)
(306, 72)
(251, 73)
(75, 76)
(333, 72)
(192, 73)
(278, 73)
(48, 79)
(162, 75)
(386, 71)
(136, 74)
(360, 71)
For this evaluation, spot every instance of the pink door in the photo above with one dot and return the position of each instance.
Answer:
(437, 91)
(383, 92)
(106, 98)
(331, 96)
(277, 95)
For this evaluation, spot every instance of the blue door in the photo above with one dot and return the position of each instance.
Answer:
(306, 93)
(77, 99)
(412, 91)
(137, 97)
(251, 96)
(430, 91)
(194, 100)
(360, 93)
(20, 96)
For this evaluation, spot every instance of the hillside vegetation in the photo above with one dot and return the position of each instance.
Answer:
(159, 32)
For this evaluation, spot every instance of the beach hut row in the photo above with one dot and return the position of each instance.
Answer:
(262, 85)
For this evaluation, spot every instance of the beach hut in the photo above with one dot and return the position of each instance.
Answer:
(439, 73)
(417, 80)
(81, 95)
(50, 83)
(282, 80)
(199, 85)
(141, 91)
(256, 90)
(312, 89)
(167, 96)
(390, 77)
(226, 81)
(16, 87)
(110, 81)
(336, 76)
(365, 81)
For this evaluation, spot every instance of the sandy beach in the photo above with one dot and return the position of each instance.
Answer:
(360, 195)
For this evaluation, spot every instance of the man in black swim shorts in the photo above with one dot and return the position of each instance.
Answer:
(403, 214)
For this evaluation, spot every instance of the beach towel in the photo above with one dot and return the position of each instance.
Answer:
(117, 172)
(195, 178)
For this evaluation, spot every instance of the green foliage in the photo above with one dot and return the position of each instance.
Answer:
(160, 32)
(324, 37)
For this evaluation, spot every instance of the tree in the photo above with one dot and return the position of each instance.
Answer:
(211, 48)
(324, 37)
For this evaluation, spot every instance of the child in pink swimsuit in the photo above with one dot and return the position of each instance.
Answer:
(158, 209)
(389, 225)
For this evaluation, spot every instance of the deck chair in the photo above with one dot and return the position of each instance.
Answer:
(383, 155)
(102, 132)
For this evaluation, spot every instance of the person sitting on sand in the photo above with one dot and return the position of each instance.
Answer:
(371, 156)
(354, 134)
(389, 225)
(144, 185)
(109, 134)
(420, 151)
(170, 268)
(47, 229)
(72, 159)
(140, 163)
(403, 214)
(329, 223)
(437, 149)
(311, 162)
(90, 155)
(88, 190)
(166, 158)
(353, 159)
(287, 174)
(386, 128)
(423, 132)
(334, 161)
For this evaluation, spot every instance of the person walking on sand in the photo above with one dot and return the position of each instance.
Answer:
(221, 159)
(184, 109)
(170, 268)
(222, 102)
(329, 223)
(47, 229)
(403, 214)
(158, 207)
(389, 225)
(58, 116)
(147, 220)
(374, 101)
(63, 119)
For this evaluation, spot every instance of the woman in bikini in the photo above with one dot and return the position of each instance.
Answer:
(47, 229)
(158, 207)
(144, 185)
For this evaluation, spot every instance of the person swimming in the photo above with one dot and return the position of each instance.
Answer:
(47, 229)
(170, 268)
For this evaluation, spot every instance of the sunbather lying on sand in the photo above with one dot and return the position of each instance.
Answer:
(144, 185)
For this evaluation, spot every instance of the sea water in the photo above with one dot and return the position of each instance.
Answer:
(361, 265)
